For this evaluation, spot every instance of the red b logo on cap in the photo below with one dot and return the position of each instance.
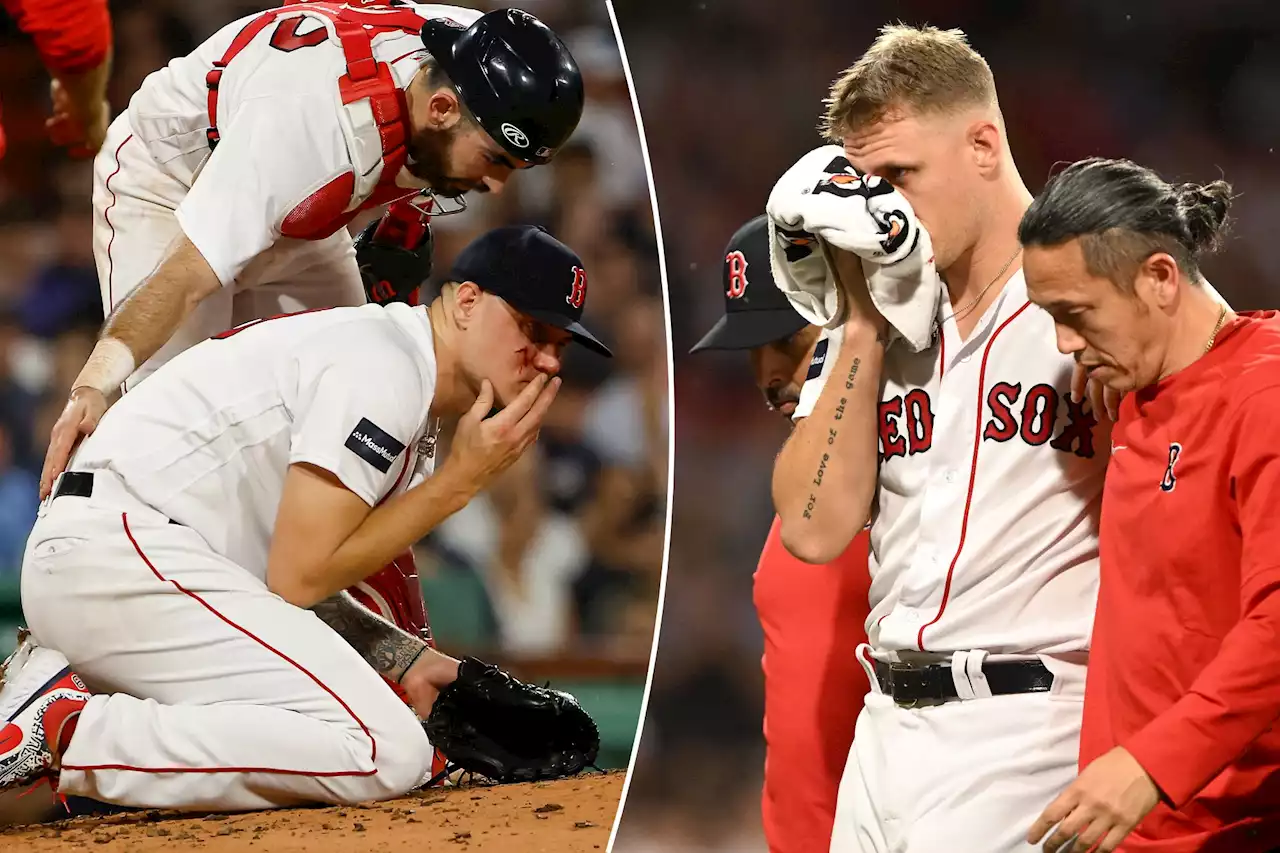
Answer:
(737, 274)
(578, 293)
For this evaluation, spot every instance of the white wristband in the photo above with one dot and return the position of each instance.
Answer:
(109, 365)
(824, 359)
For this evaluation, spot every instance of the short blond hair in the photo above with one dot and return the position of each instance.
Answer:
(919, 69)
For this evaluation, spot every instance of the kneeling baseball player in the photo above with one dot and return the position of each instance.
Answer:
(193, 645)
(224, 191)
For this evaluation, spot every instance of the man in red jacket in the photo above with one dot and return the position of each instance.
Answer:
(1179, 748)
(813, 616)
(74, 42)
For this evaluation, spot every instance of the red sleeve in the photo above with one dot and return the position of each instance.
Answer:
(72, 36)
(1237, 697)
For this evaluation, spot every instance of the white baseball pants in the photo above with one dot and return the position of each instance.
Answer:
(969, 776)
(215, 694)
(134, 223)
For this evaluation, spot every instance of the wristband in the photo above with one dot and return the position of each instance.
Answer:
(411, 663)
(109, 365)
(824, 358)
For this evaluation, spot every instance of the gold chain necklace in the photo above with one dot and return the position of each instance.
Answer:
(1222, 318)
(964, 309)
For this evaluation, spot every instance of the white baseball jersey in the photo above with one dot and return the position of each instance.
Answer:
(984, 524)
(285, 133)
(208, 440)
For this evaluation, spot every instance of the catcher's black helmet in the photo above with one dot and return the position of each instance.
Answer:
(515, 76)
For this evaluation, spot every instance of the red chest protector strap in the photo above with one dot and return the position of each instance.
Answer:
(365, 77)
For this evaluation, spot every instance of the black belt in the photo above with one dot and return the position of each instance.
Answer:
(932, 684)
(77, 484)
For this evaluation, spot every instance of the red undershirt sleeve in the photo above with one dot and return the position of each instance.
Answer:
(72, 38)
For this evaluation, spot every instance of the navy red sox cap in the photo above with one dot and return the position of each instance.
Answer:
(515, 76)
(534, 273)
(756, 312)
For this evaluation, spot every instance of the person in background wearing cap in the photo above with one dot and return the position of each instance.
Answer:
(256, 682)
(224, 192)
(812, 615)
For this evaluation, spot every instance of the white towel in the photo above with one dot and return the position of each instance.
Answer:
(822, 203)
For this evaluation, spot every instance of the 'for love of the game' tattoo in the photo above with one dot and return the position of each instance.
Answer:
(832, 432)
(387, 649)
(853, 371)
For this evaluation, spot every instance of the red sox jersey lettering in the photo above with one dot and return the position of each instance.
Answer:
(906, 422)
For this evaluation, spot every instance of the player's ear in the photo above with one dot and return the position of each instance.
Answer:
(1157, 279)
(444, 111)
(984, 141)
(466, 298)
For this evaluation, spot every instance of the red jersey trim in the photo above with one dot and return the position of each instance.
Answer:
(106, 215)
(373, 753)
(973, 475)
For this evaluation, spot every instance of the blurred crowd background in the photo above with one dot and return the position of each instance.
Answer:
(730, 92)
(557, 568)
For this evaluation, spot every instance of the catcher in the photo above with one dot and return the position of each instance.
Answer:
(198, 653)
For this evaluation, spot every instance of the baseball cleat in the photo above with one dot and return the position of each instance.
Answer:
(39, 695)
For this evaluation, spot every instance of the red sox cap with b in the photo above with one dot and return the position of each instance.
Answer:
(535, 273)
(756, 312)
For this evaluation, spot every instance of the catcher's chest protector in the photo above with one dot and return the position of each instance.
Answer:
(375, 116)
(395, 594)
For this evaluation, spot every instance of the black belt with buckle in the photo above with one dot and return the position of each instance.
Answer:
(77, 484)
(933, 684)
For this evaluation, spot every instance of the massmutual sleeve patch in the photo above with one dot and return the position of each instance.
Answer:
(819, 359)
(374, 445)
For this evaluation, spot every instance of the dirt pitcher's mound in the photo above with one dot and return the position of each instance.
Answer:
(565, 816)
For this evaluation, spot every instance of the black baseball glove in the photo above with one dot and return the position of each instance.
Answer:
(394, 255)
(493, 724)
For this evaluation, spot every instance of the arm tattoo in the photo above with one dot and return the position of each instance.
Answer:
(385, 647)
(832, 432)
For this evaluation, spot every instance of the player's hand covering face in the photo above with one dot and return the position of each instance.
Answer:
(510, 348)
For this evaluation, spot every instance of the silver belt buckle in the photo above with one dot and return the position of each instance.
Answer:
(899, 667)
(896, 667)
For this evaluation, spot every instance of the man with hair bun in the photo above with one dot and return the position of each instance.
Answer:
(1178, 749)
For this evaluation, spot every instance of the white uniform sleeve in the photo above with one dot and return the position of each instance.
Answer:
(356, 426)
(820, 366)
(275, 154)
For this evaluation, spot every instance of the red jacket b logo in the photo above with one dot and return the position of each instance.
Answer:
(578, 292)
(1170, 481)
(737, 263)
